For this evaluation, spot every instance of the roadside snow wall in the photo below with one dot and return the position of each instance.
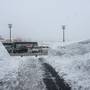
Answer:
(72, 62)
(8, 65)
(3, 52)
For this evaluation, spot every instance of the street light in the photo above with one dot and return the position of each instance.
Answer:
(10, 26)
(63, 28)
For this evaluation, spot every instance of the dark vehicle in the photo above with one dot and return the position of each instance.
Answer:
(21, 49)
(8, 46)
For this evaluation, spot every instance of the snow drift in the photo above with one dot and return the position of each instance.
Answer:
(73, 63)
(79, 48)
(3, 52)
(8, 65)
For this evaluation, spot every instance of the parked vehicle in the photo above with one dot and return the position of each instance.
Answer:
(21, 49)
(34, 50)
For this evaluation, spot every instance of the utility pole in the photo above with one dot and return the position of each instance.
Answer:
(63, 28)
(10, 27)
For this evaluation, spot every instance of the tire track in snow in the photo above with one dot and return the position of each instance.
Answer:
(51, 78)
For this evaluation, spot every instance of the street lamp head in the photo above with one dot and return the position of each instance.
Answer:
(63, 27)
(10, 25)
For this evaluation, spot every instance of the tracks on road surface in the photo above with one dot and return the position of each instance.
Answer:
(51, 78)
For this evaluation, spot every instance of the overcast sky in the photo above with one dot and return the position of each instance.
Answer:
(42, 19)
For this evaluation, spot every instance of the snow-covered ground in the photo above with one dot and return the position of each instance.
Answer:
(30, 75)
(72, 62)
(7, 63)
(19, 73)
(53, 44)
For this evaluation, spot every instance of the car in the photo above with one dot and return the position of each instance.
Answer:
(35, 50)
(20, 49)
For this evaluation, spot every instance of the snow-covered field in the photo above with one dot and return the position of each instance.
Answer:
(72, 62)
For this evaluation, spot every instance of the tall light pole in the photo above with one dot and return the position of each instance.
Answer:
(10, 27)
(63, 28)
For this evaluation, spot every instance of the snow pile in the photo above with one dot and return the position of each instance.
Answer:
(3, 52)
(53, 44)
(30, 74)
(8, 65)
(73, 64)
(69, 49)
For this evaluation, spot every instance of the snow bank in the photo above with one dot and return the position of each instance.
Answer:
(73, 63)
(53, 44)
(69, 49)
(8, 65)
(3, 52)
(31, 74)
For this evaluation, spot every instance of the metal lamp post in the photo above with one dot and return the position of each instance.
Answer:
(10, 27)
(63, 28)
